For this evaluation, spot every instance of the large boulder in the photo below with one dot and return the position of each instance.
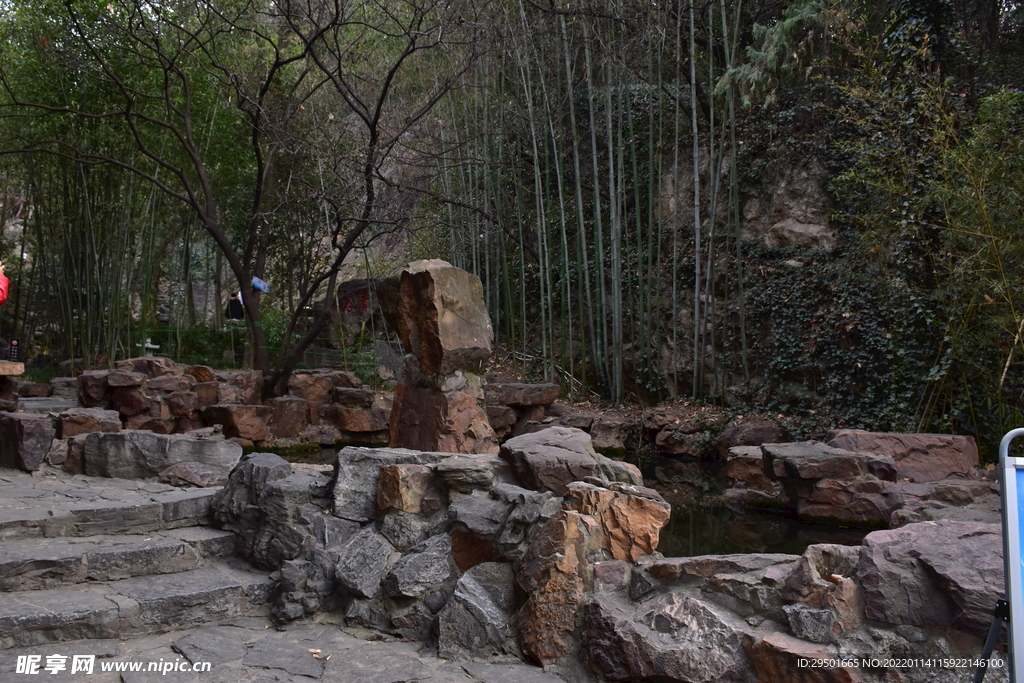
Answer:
(813, 460)
(140, 454)
(355, 489)
(84, 420)
(550, 459)
(921, 457)
(672, 637)
(244, 421)
(478, 620)
(442, 318)
(362, 562)
(24, 440)
(315, 389)
(448, 418)
(933, 574)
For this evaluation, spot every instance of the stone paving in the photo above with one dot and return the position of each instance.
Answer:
(75, 526)
(252, 650)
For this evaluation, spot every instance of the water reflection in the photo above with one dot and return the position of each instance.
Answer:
(720, 531)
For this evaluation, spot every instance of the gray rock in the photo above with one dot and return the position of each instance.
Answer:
(406, 529)
(362, 562)
(477, 621)
(482, 514)
(234, 507)
(810, 623)
(531, 509)
(216, 644)
(422, 568)
(375, 663)
(355, 490)
(509, 673)
(551, 458)
(672, 637)
(290, 657)
(918, 575)
(140, 454)
(813, 460)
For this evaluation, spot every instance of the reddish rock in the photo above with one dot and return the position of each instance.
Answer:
(151, 366)
(864, 501)
(630, 517)
(74, 464)
(158, 425)
(577, 421)
(409, 488)
(442, 318)
(315, 389)
(93, 391)
(24, 440)
(84, 420)
(519, 394)
(921, 457)
(33, 389)
(501, 417)
(244, 421)
(751, 430)
(289, 415)
(340, 378)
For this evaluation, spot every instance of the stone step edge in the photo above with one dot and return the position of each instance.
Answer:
(132, 607)
(40, 564)
(188, 507)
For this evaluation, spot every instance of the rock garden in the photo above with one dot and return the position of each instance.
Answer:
(479, 518)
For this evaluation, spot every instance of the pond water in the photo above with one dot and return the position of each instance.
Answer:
(719, 530)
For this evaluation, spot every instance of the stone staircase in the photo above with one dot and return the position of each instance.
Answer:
(85, 558)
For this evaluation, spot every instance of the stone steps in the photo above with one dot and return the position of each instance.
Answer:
(38, 564)
(85, 506)
(133, 606)
(93, 558)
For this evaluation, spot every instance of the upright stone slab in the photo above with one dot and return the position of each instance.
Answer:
(447, 335)
(24, 440)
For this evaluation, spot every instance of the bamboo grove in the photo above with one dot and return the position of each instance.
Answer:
(609, 215)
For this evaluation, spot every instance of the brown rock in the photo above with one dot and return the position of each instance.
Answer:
(428, 419)
(201, 373)
(194, 474)
(469, 550)
(409, 488)
(24, 440)
(120, 378)
(549, 460)
(554, 573)
(130, 401)
(159, 425)
(33, 389)
(182, 403)
(240, 387)
(354, 418)
(520, 394)
(207, 393)
(577, 421)
(778, 657)
(340, 378)
(73, 464)
(864, 501)
(921, 457)
(315, 389)
(64, 387)
(694, 444)
(609, 434)
(442, 318)
(813, 460)
(289, 415)
(353, 397)
(244, 421)
(744, 467)
(751, 430)
(84, 420)
(501, 417)
(171, 383)
(809, 580)
(630, 517)
(93, 391)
